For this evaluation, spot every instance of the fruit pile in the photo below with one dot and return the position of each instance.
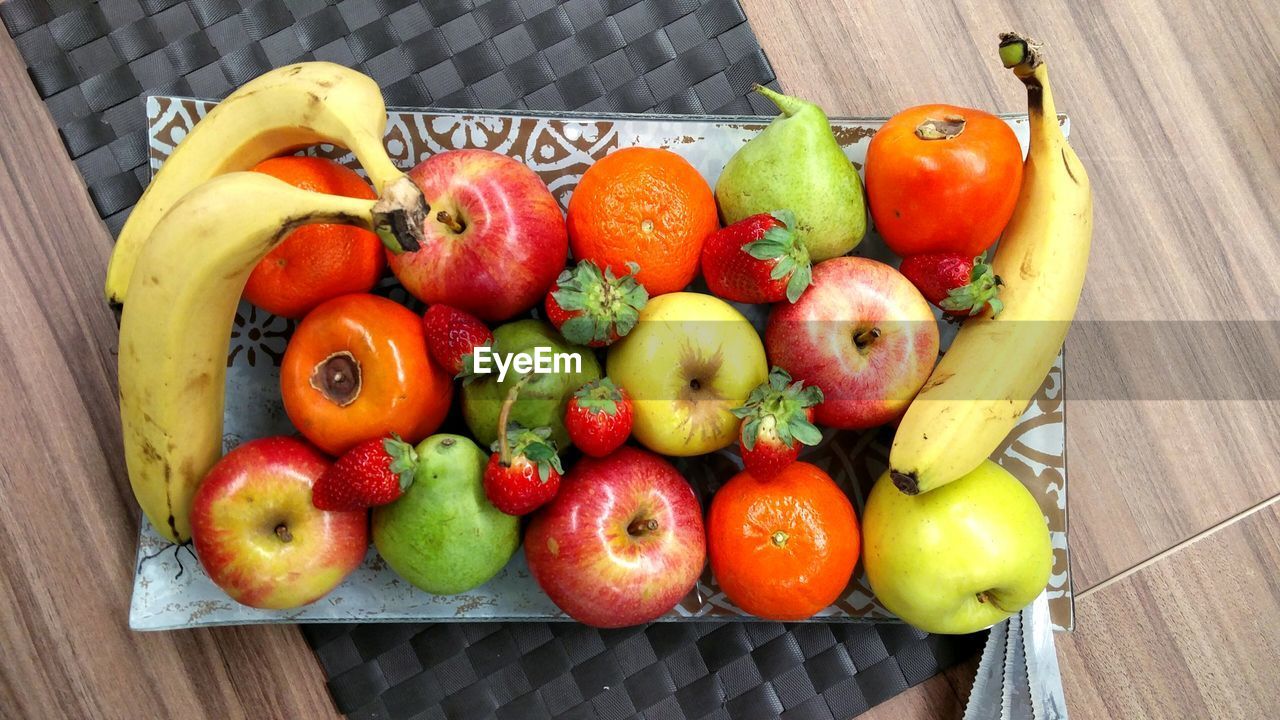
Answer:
(586, 348)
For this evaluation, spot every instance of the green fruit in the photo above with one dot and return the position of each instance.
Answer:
(542, 400)
(443, 535)
(796, 164)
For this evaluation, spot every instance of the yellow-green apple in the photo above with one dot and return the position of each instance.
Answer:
(622, 542)
(259, 537)
(494, 240)
(863, 334)
(690, 360)
(958, 558)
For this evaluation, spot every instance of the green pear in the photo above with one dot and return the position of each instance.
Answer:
(958, 558)
(796, 164)
(443, 535)
(542, 399)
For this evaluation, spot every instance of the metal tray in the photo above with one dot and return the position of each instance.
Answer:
(171, 590)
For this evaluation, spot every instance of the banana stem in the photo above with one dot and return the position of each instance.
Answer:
(1023, 56)
(399, 215)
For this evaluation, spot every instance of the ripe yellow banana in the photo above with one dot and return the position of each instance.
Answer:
(175, 329)
(994, 367)
(276, 113)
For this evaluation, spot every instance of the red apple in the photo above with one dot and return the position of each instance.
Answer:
(495, 238)
(863, 334)
(259, 537)
(623, 541)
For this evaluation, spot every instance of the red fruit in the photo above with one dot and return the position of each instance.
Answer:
(599, 417)
(524, 472)
(593, 308)
(962, 286)
(452, 335)
(777, 420)
(374, 472)
(757, 260)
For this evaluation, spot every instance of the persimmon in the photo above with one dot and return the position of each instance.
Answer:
(357, 368)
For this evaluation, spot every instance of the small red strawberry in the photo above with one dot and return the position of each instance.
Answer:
(776, 421)
(452, 335)
(374, 472)
(593, 308)
(524, 471)
(757, 260)
(962, 286)
(599, 417)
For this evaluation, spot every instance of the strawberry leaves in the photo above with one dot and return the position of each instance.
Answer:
(599, 307)
(404, 460)
(534, 445)
(780, 407)
(781, 244)
(599, 396)
(982, 290)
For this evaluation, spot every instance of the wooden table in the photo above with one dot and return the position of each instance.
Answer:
(1175, 538)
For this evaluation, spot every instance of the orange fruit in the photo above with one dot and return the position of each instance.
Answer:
(784, 548)
(316, 262)
(646, 206)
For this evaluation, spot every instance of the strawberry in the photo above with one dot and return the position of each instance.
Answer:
(593, 308)
(962, 286)
(452, 335)
(374, 472)
(757, 260)
(599, 417)
(524, 471)
(777, 420)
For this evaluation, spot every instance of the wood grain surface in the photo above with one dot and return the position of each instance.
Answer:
(1172, 108)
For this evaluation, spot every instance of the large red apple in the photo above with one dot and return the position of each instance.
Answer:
(259, 537)
(622, 542)
(863, 334)
(494, 240)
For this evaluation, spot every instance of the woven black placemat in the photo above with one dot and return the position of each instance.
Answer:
(466, 671)
(93, 62)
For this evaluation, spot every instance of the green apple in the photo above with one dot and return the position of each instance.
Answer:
(958, 558)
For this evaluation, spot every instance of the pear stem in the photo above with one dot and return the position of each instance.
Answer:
(504, 416)
(787, 104)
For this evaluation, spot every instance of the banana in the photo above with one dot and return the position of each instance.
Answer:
(175, 328)
(276, 113)
(986, 379)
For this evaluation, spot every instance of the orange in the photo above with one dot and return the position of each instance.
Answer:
(316, 262)
(785, 548)
(646, 206)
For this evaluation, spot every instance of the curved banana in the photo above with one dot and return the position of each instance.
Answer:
(175, 328)
(276, 113)
(987, 377)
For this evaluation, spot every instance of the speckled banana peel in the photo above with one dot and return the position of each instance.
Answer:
(175, 329)
(275, 114)
(988, 376)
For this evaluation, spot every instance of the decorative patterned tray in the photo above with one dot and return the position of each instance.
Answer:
(172, 591)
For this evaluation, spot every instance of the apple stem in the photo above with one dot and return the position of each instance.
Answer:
(985, 597)
(450, 222)
(282, 532)
(642, 526)
(504, 416)
(866, 337)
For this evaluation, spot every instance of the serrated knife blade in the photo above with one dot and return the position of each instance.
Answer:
(984, 699)
(1015, 701)
(1047, 699)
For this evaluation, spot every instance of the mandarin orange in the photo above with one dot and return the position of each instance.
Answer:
(316, 262)
(784, 548)
(643, 205)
